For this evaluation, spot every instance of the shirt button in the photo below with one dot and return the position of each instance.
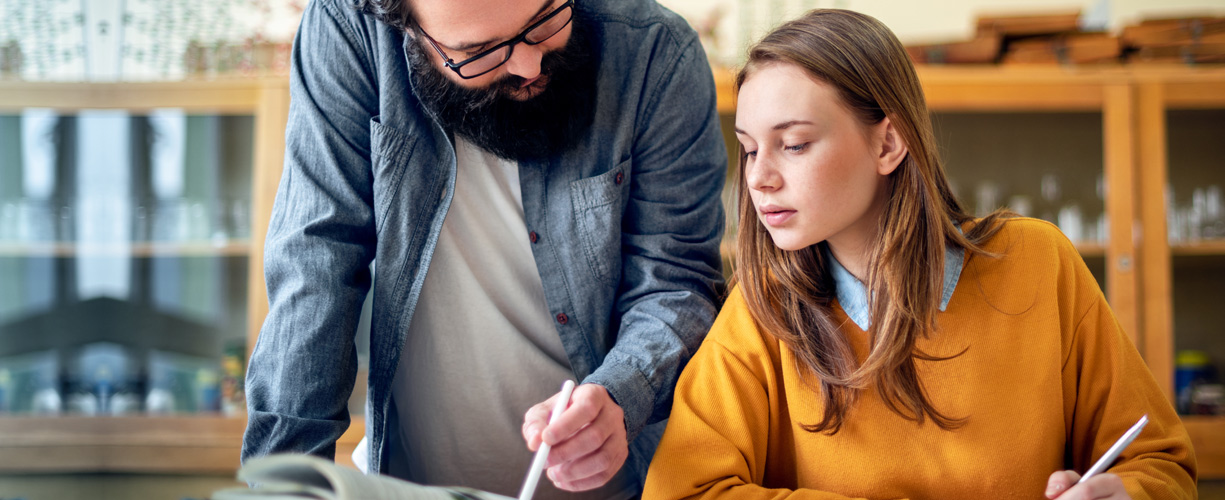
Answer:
(562, 318)
(618, 178)
(532, 236)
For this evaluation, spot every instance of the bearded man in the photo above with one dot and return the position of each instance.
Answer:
(531, 190)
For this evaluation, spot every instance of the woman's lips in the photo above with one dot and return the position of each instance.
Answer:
(776, 216)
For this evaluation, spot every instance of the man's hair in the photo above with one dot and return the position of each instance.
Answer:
(395, 13)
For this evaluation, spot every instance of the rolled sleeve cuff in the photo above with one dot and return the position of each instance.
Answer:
(631, 390)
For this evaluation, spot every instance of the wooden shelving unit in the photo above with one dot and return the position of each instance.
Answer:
(1208, 439)
(1158, 91)
(156, 444)
(196, 444)
(1207, 247)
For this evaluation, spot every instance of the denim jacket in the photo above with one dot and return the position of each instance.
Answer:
(627, 225)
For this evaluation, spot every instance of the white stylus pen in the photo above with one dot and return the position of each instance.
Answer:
(1113, 452)
(542, 454)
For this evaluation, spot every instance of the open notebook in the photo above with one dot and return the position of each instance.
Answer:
(292, 477)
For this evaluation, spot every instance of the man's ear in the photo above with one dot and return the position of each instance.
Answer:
(892, 148)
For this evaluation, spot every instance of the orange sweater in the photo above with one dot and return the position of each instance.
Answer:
(1048, 382)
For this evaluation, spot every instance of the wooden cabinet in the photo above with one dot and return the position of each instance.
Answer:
(1181, 149)
(194, 443)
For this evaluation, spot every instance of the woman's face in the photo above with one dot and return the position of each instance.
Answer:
(815, 172)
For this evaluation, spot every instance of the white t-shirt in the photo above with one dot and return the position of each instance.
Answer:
(482, 347)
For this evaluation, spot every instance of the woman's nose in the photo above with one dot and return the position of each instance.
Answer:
(761, 173)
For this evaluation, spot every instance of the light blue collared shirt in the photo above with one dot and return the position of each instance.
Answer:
(854, 296)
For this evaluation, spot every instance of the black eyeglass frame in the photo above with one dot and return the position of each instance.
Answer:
(510, 44)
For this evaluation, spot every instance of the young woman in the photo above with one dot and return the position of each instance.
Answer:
(881, 343)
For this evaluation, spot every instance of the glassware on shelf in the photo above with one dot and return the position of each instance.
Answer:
(8, 222)
(179, 383)
(1208, 399)
(1099, 230)
(987, 198)
(28, 220)
(141, 222)
(233, 399)
(1022, 205)
(198, 224)
(171, 221)
(1071, 223)
(29, 384)
(182, 220)
(1191, 369)
(1195, 215)
(65, 226)
(239, 218)
(1203, 219)
(1052, 195)
(159, 401)
(1103, 228)
(102, 377)
(1214, 214)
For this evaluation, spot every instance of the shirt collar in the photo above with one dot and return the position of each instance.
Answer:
(853, 296)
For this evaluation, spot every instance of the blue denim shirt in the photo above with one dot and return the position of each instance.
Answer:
(628, 225)
(853, 295)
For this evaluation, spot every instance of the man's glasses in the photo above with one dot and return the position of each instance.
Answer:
(490, 59)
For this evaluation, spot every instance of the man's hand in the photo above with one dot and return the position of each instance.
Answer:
(588, 439)
(1062, 485)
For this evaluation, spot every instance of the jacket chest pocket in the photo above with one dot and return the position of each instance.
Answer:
(390, 150)
(598, 204)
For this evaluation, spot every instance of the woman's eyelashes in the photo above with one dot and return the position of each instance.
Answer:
(794, 148)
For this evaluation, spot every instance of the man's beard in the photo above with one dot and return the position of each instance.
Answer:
(534, 129)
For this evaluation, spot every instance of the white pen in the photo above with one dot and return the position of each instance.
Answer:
(1113, 452)
(542, 454)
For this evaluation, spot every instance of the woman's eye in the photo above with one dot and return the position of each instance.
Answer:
(796, 148)
(750, 154)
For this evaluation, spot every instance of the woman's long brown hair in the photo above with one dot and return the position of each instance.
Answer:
(790, 293)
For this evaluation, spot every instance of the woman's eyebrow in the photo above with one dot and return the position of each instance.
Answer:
(781, 126)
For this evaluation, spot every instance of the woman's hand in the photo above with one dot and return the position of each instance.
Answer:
(1062, 485)
(588, 440)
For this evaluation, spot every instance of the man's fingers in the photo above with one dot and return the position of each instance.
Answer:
(536, 420)
(578, 445)
(607, 424)
(582, 411)
(588, 472)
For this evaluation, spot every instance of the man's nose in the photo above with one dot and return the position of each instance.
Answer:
(525, 61)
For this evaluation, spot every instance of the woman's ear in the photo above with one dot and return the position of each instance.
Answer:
(892, 148)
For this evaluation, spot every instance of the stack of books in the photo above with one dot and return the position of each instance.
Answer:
(1191, 40)
(1057, 38)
